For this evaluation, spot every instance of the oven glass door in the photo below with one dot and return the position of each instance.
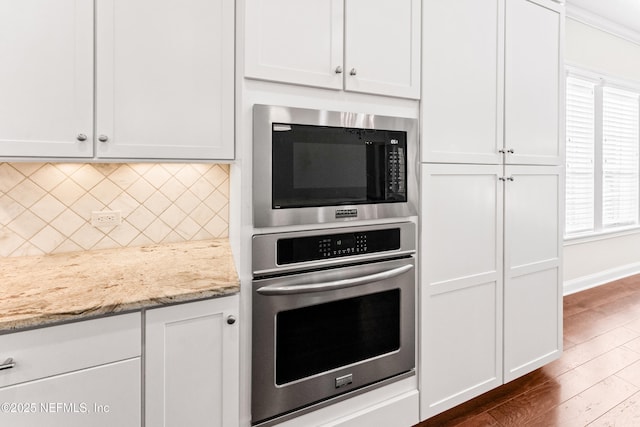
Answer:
(322, 337)
(321, 334)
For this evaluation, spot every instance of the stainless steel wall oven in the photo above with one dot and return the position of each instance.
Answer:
(333, 315)
(313, 166)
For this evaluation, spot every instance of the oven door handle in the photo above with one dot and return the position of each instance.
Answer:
(330, 286)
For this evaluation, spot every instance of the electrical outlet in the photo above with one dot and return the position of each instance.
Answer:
(106, 218)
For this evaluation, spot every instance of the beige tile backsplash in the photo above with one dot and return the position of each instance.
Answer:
(46, 207)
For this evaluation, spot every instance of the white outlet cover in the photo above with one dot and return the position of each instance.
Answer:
(106, 218)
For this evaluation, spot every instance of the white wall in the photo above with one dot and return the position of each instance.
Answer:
(590, 263)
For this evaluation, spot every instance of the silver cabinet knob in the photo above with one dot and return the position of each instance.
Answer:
(81, 137)
(103, 138)
(353, 72)
(338, 69)
(231, 320)
(8, 364)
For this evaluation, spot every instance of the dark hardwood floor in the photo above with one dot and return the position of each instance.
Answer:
(596, 382)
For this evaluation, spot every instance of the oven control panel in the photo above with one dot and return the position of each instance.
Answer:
(325, 246)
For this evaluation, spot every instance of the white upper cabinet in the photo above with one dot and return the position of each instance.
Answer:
(492, 86)
(355, 45)
(532, 81)
(295, 42)
(46, 78)
(461, 69)
(164, 79)
(382, 47)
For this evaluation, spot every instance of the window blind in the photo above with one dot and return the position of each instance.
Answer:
(580, 146)
(619, 157)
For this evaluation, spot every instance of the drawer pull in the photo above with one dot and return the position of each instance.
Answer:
(8, 364)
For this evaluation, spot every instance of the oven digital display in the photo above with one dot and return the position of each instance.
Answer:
(302, 249)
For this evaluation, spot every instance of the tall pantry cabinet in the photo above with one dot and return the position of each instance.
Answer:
(492, 195)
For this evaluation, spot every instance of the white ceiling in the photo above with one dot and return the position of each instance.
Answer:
(620, 16)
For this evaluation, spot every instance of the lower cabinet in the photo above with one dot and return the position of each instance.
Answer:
(490, 287)
(192, 364)
(104, 396)
(89, 373)
(73, 375)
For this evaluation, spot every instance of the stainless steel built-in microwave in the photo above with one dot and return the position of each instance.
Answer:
(312, 166)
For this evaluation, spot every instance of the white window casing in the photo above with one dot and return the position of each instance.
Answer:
(602, 157)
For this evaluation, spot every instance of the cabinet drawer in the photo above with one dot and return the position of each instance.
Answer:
(54, 350)
(103, 396)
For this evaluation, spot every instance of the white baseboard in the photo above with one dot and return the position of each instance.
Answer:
(600, 278)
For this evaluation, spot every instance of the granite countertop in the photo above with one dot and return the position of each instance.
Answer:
(41, 290)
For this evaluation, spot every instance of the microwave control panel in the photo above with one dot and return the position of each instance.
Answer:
(326, 246)
(396, 170)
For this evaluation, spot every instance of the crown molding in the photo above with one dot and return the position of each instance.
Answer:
(587, 17)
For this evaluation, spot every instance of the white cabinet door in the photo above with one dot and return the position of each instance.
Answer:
(382, 47)
(357, 45)
(104, 396)
(461, 284)
(46, 78)
(191, 365)
(533, 92)
(165, 79)
(462, 81)
(295, 41)
(533, 280)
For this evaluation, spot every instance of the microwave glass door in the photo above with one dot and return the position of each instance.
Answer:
(331, 166)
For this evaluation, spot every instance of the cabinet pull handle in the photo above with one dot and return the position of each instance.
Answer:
(353, 72)
(231, 320)
(338, 69)
(501, 151)
(510, 151)
(510, 178)
(8, 364)
(103, 138)
(501, 178)
(81, 137)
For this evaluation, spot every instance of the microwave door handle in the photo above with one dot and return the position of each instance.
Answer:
(330, 286)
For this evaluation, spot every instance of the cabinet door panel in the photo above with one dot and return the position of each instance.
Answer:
(461, 284)
(533, 285)
(191, 370)
(461, 221)
(461, 343)
(295, 42)
(532, 81)
(532, 337)
(104, 396)
(46, 78)
(382, 47)
(165, 79)
(462, 75)
(532, 215)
